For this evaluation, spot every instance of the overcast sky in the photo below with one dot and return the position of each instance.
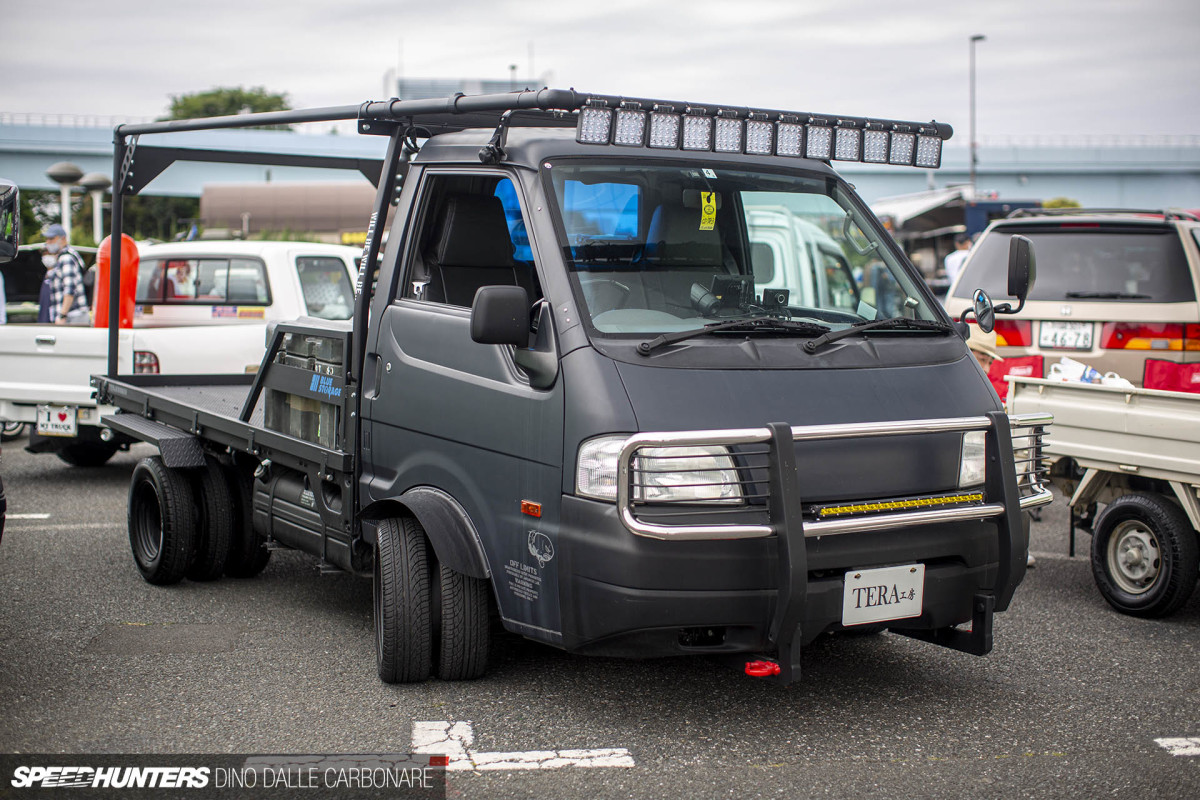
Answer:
(1046, 67)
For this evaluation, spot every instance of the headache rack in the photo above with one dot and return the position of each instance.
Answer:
(764, 460)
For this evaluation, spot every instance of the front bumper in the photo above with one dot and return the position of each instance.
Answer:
(635, 588)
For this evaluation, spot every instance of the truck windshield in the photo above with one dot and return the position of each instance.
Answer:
(656, 249)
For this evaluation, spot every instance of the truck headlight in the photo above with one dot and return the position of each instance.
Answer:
(678, 474)
(972, 463)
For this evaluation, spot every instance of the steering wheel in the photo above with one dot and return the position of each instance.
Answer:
(603, 294)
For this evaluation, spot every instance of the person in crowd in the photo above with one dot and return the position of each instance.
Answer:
(954, 261)
(67, 302)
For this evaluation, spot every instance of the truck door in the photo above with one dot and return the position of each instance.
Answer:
(442, 411)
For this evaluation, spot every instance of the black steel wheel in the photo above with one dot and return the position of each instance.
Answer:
(464, 635)
(403, 630)
(10, 430)
(248, 553)
(162, 521)
(88, 454)
(214, 522)
(1145, 556)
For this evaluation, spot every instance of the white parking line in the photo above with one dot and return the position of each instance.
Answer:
(453, 739)
(27, 516)
(1181, 746)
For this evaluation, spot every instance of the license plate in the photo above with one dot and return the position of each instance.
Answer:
(878, 595)
(57, 420)
(1066, 335)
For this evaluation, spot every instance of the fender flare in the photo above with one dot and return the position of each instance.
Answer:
(453, 536)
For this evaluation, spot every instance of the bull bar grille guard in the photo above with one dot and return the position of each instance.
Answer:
(1026, 432)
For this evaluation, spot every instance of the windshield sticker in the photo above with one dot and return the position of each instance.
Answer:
(708, 210)
(708, 173)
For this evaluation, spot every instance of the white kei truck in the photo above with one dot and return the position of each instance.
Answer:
(200, 306)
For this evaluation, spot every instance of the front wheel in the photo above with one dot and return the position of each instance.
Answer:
(11, 430)
(1145, 556)
(401, 593)
(464, 634)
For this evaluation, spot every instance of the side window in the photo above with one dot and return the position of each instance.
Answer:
(151, 281)
(326, 286)
(203, 281)
(468, 238)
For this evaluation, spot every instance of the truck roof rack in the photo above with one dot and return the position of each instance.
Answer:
(616, 120)
(1166, 213)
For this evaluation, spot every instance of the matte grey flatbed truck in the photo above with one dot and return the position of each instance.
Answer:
(585, 391)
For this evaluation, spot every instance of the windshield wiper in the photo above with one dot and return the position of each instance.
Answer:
(1108, 296)
(862, 327)
(763, 323)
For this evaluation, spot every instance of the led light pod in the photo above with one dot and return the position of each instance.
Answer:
(760, 137)
(664, 128)
(697, 132)
(847, 144)
(904, 147)
(595, 125)
(630, 128)
(789, 138)
(929, 152)
(875, 146)
(819, 142)
(728, 137)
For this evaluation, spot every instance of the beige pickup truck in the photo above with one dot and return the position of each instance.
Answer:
(1137, 453)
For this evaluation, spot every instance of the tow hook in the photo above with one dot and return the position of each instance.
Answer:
(762, 669)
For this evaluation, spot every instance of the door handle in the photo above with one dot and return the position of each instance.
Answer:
(45, 339)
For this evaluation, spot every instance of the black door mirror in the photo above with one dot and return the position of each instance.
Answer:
(10, 221)
(500, 315)
(1022, 271)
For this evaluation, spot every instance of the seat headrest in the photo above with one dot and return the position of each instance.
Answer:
(675, 237)
(474, 233)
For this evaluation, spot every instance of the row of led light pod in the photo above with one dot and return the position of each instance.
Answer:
(664, 128)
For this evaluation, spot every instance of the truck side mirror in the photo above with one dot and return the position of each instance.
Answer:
(500, 315)
(1022, 271)
(10, 221)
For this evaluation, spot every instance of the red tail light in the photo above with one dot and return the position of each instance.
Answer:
(145, 362)
(1191, 337)
(1014, 333)
(1145, 336)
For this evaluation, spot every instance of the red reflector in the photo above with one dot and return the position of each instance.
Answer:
(1068, 225)
(761, 669)
(531, 508)
(439, 761)
(1014, 333)
(1142, 336)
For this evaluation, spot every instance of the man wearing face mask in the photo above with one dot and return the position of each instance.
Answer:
(64, 301)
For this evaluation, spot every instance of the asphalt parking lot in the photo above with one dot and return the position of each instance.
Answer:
(1070, 703)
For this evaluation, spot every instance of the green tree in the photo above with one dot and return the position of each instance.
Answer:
(222, 102)
(1061, 202)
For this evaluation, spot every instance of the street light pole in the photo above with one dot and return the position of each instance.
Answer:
(979, 37)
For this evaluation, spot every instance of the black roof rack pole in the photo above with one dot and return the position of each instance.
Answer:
(261, 119)
(114, 264)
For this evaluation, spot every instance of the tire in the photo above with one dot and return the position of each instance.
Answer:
(11, 430)
(248, 553)
(88, 454)
(214, 522)
(403, 630)
(464, 635)
(162, 521)
(1145, 556)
